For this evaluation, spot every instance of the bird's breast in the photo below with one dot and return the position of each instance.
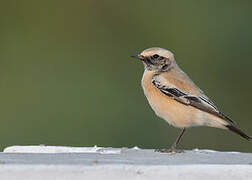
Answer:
(175, 113)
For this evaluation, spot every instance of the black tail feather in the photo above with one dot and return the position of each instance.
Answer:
(238, 131)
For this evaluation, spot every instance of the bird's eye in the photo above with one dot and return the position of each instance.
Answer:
(155, 56)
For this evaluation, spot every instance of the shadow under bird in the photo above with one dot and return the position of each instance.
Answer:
(174, 97)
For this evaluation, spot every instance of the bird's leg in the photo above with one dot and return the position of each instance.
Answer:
(174, 145)
(178, 139)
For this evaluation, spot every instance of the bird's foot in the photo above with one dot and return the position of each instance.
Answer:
(171, 150)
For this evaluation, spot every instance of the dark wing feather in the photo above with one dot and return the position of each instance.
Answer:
(199, 102)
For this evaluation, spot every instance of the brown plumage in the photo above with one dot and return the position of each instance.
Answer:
(174, 97)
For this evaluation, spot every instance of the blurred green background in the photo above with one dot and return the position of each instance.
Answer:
(66, 77)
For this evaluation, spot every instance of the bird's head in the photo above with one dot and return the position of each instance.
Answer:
(156, 59)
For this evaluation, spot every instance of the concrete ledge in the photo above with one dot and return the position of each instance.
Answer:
(121, 163)
(126, 172)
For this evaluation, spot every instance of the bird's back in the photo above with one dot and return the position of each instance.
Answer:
(180, 80)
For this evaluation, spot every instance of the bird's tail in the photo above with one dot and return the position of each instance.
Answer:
(238, 131)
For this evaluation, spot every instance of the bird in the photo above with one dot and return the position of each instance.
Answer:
(175, 98)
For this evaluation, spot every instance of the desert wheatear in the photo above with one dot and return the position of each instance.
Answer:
(175, 98)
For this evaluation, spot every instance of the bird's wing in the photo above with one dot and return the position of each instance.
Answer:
(201, 102)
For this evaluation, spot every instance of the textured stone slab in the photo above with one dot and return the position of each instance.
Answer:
(38, 162)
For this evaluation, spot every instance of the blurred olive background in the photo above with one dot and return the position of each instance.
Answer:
(66, 77)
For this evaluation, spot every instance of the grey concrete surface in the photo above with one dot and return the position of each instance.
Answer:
(127, 164)
(128, 157)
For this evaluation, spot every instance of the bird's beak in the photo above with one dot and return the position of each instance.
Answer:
(138, 56)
